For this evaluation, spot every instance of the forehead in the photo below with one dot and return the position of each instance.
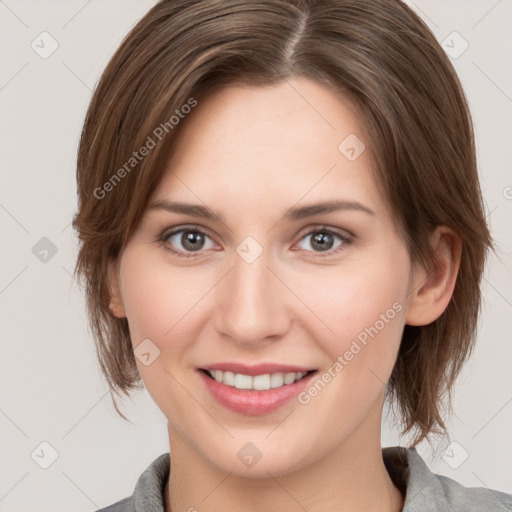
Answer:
(282, 141)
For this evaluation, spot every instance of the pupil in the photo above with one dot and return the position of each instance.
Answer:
(324, 241)
(190, 240)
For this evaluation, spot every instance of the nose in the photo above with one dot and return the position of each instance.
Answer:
(252, 305)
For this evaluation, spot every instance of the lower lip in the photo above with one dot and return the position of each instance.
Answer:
(253, 403)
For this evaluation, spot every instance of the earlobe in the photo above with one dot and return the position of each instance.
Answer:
(116, 303)
(431, 291)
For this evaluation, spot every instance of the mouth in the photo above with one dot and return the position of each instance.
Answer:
(262, 382)
(254, 390)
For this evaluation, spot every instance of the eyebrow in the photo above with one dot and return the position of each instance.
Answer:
(294, 213)
(325, 207)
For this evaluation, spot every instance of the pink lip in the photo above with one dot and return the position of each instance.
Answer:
(257, 369)
(254, 403)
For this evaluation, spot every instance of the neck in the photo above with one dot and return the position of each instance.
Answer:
(350, 478)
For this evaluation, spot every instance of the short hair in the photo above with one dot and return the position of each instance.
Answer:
(377, 53)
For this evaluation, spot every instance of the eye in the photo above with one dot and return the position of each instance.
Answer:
(187, 240)
(323, 241)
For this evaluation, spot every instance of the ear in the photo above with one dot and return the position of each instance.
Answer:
(431, 291)
(116, 302)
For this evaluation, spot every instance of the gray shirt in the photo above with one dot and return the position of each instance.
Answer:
(424, 491)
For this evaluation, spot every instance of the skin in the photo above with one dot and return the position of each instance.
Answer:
(292, 305)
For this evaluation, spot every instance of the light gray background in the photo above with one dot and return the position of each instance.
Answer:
(51, 389)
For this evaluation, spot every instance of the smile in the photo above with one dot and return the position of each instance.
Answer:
(254, 390)
(257, 382)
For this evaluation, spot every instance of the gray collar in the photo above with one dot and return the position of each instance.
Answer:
(424, 491)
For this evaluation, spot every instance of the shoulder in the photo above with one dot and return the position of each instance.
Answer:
(473, 499)
(121, 506)
(149, 490)
(426, 491)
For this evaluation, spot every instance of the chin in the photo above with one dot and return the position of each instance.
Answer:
(247, 460)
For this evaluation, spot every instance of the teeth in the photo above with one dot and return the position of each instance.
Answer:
(289, 378)
(258, 382)
(276, 380)
(261, 382)
(243, 381)
(227, 378)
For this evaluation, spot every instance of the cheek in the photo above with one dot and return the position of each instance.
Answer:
(366, 310)
(156, 297)
(161, 304)
(363, 309)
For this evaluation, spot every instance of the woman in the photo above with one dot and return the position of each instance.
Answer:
(320, 156)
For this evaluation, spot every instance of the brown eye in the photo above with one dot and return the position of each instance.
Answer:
(324, 240)
(186, 240)
(192, 240)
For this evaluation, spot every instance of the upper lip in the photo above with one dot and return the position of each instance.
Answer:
(257, 369)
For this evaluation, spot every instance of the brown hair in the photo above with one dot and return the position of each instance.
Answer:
(378, 53)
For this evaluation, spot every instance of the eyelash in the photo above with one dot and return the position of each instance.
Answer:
(346, 239)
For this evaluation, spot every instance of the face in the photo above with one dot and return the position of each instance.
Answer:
(266, 287)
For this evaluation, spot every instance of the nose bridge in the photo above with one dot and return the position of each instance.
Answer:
(250, 304)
